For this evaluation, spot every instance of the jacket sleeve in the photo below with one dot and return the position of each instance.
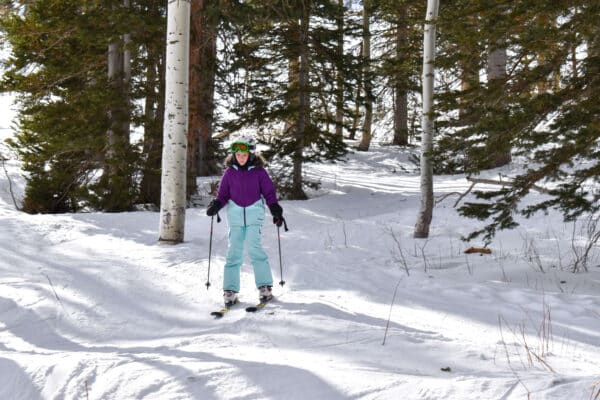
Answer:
(224, 194)
(267, 188)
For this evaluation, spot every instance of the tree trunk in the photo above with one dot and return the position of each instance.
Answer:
(203, 53)
(357, 102)
(469, 72)
(154, 110)
(173, 182)
(115, 73)
(293, 84)
(339, 95)
(500, 150)
(426, 211)
(400, 89)
(297, 192)
(368, 84)
(117, 176)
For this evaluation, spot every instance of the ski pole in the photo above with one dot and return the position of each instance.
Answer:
(212, 219)
(281, 282)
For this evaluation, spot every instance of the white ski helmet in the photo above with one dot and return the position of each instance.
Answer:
(247, 140)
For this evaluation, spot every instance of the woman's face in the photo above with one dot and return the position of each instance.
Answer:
(242, 158)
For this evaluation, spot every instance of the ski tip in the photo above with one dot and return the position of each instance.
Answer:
(257, 307)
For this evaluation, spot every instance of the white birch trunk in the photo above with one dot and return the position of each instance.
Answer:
(426, 211)
(173, 181)
(365, 141)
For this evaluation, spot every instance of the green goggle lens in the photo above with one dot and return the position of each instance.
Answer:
(240, 147)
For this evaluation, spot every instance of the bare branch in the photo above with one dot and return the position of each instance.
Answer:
(504, 183)
(10, 186)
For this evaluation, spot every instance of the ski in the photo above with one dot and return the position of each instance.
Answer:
(258, 306)
(220, 313)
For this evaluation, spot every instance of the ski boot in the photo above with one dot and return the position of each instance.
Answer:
(264, 293)
(229, 298)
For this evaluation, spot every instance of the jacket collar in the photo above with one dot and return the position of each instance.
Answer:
(244, 168)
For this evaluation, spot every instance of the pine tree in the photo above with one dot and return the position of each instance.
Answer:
(74, 114)
(552, 123)
(58, 69)
(284, 73)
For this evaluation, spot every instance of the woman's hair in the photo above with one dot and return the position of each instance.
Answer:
(254, 159)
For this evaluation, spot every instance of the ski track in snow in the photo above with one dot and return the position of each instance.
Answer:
(92, 307)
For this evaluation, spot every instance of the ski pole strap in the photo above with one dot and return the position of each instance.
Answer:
(218, 218)
(284, 224)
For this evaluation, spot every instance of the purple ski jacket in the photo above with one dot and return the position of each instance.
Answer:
(246, 186)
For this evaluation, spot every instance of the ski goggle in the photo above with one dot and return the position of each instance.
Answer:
(240, 147)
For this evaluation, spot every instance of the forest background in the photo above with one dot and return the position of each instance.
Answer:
(513, 78)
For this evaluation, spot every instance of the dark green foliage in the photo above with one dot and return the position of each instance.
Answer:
(265, 67)
(545, 109)
(277, 76)
(58, 67)
(54, 68)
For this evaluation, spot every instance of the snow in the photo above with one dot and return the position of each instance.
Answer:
(93, 307)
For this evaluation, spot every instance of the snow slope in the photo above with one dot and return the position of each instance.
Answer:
(93, 307)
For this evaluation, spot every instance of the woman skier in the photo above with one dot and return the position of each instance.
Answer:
(244, 188)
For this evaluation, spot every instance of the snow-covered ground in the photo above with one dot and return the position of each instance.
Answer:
(93, 307)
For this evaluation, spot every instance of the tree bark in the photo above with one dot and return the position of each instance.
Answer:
(425, 214)
(154, 110)
(203, 54)
(339, 96)
(117, 177)
(115, 74)
(365, 141)
(173, 182)
(400, 91)
(469, 71)
(357, 102)
(297, 192)
(496, 73)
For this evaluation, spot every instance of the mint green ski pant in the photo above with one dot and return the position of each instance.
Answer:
(238, 235)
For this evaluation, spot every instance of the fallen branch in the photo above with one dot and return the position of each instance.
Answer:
(482, 250)
(475, 181)
(504, 183)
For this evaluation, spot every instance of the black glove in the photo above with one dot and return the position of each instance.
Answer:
(213, 207)
(277, 213)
